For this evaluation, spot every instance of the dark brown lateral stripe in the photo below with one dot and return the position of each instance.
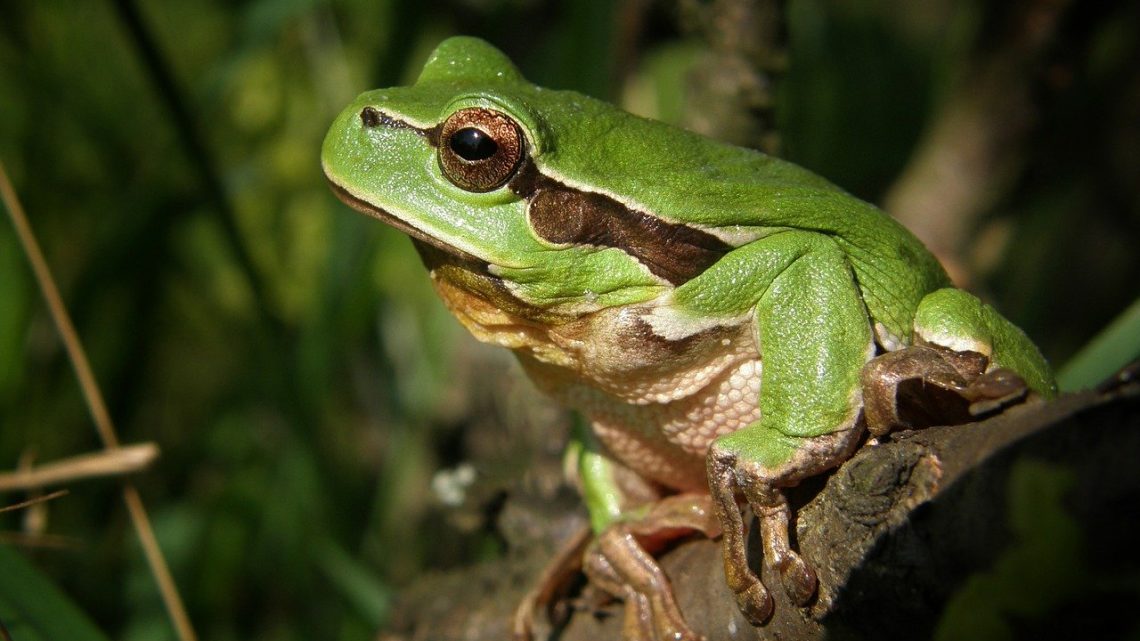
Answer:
(561, 214)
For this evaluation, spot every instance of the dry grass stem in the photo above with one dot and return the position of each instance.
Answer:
(113, 462)
(95, 404)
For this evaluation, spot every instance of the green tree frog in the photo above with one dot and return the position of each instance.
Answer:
(727, 323)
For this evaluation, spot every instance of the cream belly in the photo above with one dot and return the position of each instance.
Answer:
(663, 442)
(655, 403)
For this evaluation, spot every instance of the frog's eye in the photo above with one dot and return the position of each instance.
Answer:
(480, 149)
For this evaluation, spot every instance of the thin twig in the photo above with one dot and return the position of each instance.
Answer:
(96, 406)
(110, 462)
(34, 501)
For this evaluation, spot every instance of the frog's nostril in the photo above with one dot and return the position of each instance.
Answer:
(370, 117)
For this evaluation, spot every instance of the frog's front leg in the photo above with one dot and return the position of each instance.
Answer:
(815, 337)
(732, 470)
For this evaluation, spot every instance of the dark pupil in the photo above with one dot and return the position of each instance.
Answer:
(473, 144)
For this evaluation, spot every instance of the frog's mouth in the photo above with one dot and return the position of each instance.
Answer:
(454, 267)
(440, 253)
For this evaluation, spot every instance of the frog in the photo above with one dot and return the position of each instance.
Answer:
(726, 323)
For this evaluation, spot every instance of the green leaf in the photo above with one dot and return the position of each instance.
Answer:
(1113, 348)
(33, 609)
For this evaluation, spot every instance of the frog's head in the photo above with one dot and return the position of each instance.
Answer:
(467, 162)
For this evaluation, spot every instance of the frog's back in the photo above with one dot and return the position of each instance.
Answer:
(739, 194)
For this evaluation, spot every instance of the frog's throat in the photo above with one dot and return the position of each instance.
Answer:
(469, 289)
(385, 217)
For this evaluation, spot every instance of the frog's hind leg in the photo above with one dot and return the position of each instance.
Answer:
(958, 321)
(967, 361)
(619, 562)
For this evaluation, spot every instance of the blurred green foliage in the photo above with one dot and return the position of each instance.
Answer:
(289, 357)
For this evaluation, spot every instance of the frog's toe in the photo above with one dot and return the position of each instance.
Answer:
(756, 604)
(670, 627)
(638, 622)
(648, 618)
(995, 390)
(799, 580)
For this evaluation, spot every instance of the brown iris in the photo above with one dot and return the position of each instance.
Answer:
(480, 149)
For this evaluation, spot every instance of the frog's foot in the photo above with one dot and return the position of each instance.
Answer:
(620, 566)
(926, 384)
(618, 562)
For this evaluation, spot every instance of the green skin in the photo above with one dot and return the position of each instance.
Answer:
(824, 280)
